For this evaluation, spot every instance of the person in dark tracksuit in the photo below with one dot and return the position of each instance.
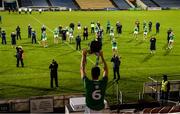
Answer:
(116, 66)
(53, 73)
(3, 36)
(19, 56)
(150, 26)
(18, 33)
(13, 39)
(85, 33)
(78, 42)
(33, 35)
(29, 31)
(157, 27)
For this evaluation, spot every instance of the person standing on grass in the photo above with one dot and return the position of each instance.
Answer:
(92, 27)
(145, 33)
(118, 28)
(168, 35)
(53, 73)
(108, 27)
(157, 27)
(137, 24)
(18, 33)
(78, 42)
(150, 26)
(111, 34)
(13, 39)
(85, 33)
(71, 36)
(171, 40)
(116, 66)
(44, 39)
(135, 32)
(3, 36)
(19, 56)
(56, 33)
(152, 45)
(94, 89)
(33, 35)
(29, 31)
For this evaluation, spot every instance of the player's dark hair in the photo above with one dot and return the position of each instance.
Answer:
(95, 72)
(165, 77)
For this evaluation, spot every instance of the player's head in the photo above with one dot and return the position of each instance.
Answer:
(95, 72)
(164, 77)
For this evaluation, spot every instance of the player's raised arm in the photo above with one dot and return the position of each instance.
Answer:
(83, 63)
(105, 64)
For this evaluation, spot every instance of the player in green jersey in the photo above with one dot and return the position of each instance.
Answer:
(44, 39)
(95, 89)
(56, 33)
(135, 32)
(145, 32)
(171, 40)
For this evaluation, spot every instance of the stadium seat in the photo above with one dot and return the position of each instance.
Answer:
(39, 3)
(94, 4)
(168, 3)
(26, 3)
(64, 3)
(122, 4)
(149, 3)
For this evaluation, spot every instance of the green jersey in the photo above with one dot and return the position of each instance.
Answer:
(108, 24)
(70, 31)
(171, 36)
(112, 30)
(56, 32)
(43, 36)
(136, 29)
(145, 29)
(95, 92)
(114, 44)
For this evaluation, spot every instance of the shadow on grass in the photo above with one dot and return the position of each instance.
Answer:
(148, 57)
(139, 43)
(67, 53)
(129, 41)
(27, 87)
(167, 52)
(165, 46)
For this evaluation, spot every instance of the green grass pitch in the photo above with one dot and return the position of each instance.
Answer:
(136, 66)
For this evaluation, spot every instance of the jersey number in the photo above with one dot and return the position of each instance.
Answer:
(96, 95)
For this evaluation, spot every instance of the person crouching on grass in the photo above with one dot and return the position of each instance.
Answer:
(44, 39)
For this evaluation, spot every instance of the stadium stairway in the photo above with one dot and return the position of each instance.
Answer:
(95, 4)
(122, 4)
(150, 3)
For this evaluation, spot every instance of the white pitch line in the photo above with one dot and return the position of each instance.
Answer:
(65, 42)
